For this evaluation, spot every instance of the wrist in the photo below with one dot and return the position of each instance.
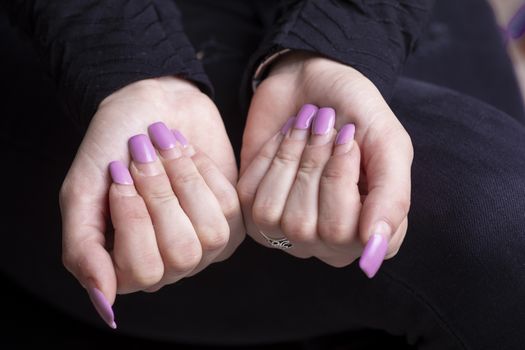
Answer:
(152, 90)
(304, 63)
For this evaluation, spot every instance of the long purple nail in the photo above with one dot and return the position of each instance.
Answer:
(178, 135)
(141, 149)
(305, 116)
(373, 255)
(161, 136)
(324, 121)
(287, 125)
(102, 306)
(120, 173)
(346, 134)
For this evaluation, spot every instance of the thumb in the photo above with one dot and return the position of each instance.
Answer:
(388, 163)
(85, 256)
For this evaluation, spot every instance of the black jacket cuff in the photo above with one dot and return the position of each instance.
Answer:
(93, 48)
(374, 37)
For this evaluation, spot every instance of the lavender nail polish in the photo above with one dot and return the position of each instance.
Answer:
(346, 134)
(182, 140)
(102, 306)
(287, 125)
(161, 136)
(305, 116)
(373, 255)
(120, 173)
(324, 121)
(141, 149)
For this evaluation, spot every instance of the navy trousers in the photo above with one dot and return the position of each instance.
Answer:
(458, 281)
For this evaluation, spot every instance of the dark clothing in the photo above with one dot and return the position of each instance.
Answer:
(92, 48)
(456, 283)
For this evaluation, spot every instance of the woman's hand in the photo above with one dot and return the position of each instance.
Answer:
(303, 184)
(160, 232)
(384, 179)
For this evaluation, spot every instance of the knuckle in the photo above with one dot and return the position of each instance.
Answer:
(160, 193)
(285, 157)
(187, 178)
(143, 273)
(266, 154)
(332, 175)
(214, 237)
(229, 203)
(266, 215)
(136, 213)
(310, 165)
(298, 228)
(184, 259)
(336, 233)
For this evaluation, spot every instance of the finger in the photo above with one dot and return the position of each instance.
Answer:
(388, 164)
(85, 256)
(397, 239)
(299, 220)
(226, 194)
(274, 188)
(253, 175)
(339, 198)
(199, 203)
(138, 263)
(177, 240)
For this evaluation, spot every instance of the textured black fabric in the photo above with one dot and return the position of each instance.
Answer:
(457, 281)
(93, 48)
(374, 37)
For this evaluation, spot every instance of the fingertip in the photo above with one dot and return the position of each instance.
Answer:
(344, 141)
(120, 173)
(373, 254)
(93, 268)
(287, 126)
(122, 184)
(102, 305)
(345, 134)
(180, 137)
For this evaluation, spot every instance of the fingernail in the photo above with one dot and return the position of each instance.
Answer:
(287, 125)
(102, 306)
(141, 149)
(346, 134)
(305, 116)
(120, 173)
(373, 255)
(182, 140)
(324, 121)
(161, 136)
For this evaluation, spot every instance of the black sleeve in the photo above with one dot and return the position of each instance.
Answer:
(373, 36)
(93, 48)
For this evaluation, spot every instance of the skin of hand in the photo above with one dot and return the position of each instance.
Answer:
(386, 155)
(124, 262)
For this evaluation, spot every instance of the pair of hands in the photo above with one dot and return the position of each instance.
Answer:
(180, 211)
